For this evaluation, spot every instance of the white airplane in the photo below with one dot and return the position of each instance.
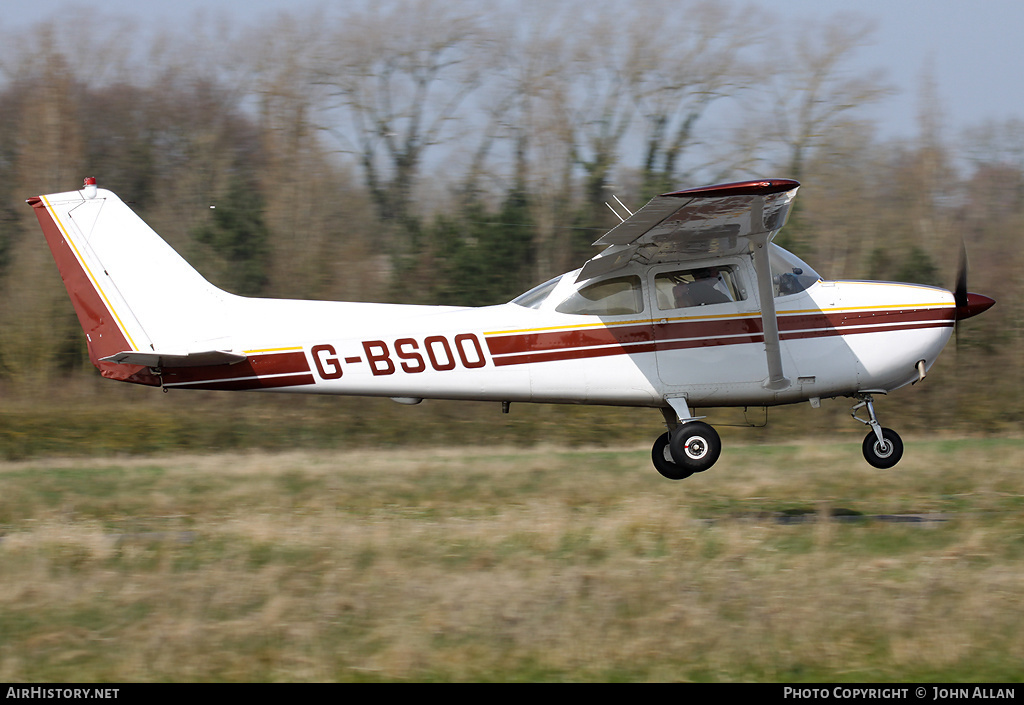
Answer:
(690, 305)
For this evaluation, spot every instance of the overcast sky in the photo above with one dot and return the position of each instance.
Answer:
(972, 48)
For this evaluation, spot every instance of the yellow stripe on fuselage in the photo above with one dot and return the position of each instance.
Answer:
(297, 348)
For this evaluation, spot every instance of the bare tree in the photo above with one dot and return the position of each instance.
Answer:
(540, 130)
(812, 90)
(398, 74)
(304, 195)
(601, 112)
(693, 61)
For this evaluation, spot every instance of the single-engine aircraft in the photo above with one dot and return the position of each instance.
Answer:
(688, 305)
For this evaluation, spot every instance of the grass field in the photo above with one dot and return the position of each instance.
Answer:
(516, 565)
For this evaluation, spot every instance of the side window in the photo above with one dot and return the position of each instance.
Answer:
(697, 287)
(610, 297)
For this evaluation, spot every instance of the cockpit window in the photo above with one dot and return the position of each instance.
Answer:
(790, 274)
(697, 287)
(610, 297)
(538, 294)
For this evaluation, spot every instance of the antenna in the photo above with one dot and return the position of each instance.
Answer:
(621, 219)
(612, 208)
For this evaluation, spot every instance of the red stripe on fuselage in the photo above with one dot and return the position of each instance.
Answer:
(575, 354)
(253, 366)
(586, 337)
(804, 334)
(250, 383)
(844, 319)
(546, 346)
(258, 371)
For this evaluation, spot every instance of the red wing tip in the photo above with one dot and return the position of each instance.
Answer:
(757, 187)
(35, 200)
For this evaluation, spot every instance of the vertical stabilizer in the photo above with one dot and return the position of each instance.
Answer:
(132, 292)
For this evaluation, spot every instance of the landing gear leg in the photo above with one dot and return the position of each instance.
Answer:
(882, 447)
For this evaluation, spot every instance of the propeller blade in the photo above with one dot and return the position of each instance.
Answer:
(967, 305)
(960, 292)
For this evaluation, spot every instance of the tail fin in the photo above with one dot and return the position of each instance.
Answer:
(137, 300)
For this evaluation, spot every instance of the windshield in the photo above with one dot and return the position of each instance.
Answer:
(538, 294)
(790, 274)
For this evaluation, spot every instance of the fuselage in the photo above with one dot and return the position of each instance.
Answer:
(837, 338)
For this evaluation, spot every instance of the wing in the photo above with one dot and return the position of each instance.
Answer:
(696, 223)
(726, 219)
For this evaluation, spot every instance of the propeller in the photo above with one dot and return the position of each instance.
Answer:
(967, 304)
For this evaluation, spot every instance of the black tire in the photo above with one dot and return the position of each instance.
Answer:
(695, 446)
(662, 458)
(883, 455)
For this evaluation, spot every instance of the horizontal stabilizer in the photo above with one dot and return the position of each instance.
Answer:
(155, 358)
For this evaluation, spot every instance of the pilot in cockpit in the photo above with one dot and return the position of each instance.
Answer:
(707, 287)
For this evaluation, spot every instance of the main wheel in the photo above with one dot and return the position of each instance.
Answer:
(695, 446)
(886, 454)
(662, 458)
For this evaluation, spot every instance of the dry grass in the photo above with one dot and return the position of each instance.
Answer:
(504, 564)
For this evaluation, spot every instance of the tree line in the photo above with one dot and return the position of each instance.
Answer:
(459, 153)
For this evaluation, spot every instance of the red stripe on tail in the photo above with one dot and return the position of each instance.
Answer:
(102, 334)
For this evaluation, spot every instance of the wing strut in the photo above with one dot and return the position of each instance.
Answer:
(777, 380)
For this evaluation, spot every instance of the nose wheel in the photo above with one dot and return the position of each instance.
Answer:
(883, 453)
(882, 447)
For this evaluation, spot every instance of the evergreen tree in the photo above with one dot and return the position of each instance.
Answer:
(238, 240)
